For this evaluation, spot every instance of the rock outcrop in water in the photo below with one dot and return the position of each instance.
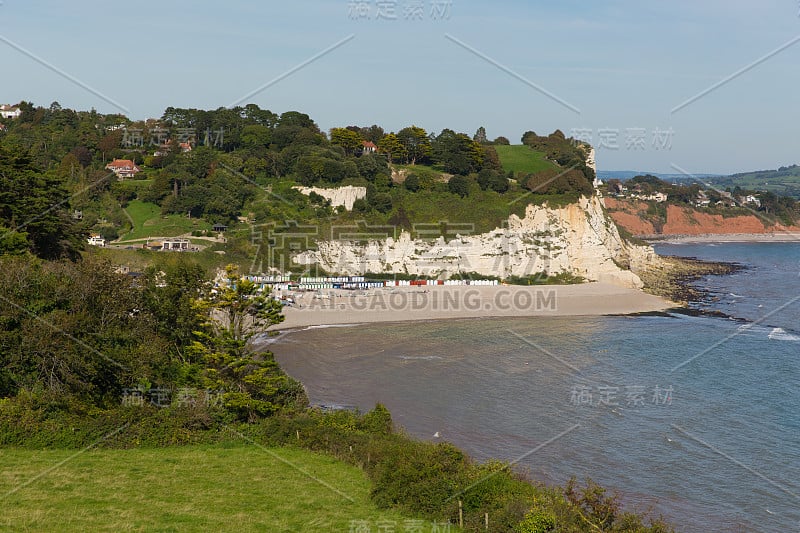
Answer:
(578, 239)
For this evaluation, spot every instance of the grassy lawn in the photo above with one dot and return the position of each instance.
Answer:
(196, 488)
(148, 222)
(422, 171)
(521, 158)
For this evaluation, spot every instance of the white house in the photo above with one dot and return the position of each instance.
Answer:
(10, 111)
(96, 240)
(750, 199)
(368, 147)
(657, 196)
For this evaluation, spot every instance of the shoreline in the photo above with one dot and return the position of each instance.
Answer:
(338, 307)
(722, 237)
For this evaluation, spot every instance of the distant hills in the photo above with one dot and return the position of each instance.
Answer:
(625, 175)
(784, 181)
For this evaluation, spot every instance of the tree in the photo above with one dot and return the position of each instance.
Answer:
(529, 137)
(379, 201)
(416, 143)
(490, 158)
(459, 185)
(502, 141)
(412, 183)
(480, 136)
(75, 331)
(373, 133)
(254, 383)
(349, 140)
(83, 155)
(392, 147)
(255, 136)
(110, 143)
(370, 166)
(34, 203)
(245, 311)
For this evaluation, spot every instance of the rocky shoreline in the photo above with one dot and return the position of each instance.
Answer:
(674, 278)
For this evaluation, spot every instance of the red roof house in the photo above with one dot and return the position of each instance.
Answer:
(123, 168)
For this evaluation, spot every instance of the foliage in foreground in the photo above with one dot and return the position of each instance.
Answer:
(77, 339)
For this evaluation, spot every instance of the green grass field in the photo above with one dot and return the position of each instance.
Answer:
(196, 488)
(148, 222)
(521, 158)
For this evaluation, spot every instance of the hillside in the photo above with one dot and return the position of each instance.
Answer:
(522, 159)
(784, 181)
(131, 184)
(645, 219)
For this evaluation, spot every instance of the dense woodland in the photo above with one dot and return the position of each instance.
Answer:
(238, 153)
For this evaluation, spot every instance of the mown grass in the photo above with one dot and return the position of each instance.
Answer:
(193, 488)
(521, 158)
(148, 222)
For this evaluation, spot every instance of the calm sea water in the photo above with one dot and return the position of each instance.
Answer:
(695, 418)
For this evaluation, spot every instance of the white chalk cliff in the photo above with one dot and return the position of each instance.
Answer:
(345, 196)
(579, 239)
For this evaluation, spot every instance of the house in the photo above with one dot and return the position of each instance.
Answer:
(368, 147)
(657, 196)
(219, 228)
(123, 168)
(702, 200)
(750, 199)
(185, 147)
(96, 240)
(10, 111)
(175, 245)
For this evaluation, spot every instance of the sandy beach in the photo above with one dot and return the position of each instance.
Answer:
(398, 304)
(725, 237)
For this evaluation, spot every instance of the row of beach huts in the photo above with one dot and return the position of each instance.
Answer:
(285, 283)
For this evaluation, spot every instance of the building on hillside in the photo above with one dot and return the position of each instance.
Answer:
(177, 245)
(96, 240)
(657, 196)
(368, 147)
(123, 168)
(10, 111)
(702, 200)
(752, 200)
(219, 228)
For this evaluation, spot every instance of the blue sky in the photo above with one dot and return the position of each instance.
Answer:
(624, 65)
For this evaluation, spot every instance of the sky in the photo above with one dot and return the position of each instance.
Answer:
(694, 86)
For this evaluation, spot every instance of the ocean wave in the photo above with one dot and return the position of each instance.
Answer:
(327, 326)
(780, 334)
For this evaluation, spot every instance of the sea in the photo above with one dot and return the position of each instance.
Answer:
(695, 417)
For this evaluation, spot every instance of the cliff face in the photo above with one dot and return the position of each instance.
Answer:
(578, 239)
(345, 196)
(632, 215)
